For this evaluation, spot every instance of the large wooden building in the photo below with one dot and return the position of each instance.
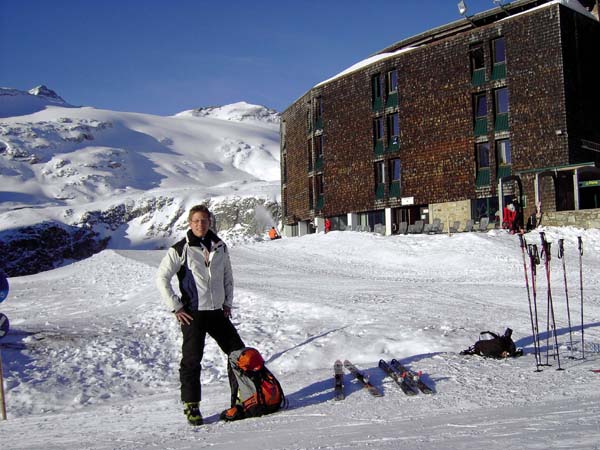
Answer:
(451, 124)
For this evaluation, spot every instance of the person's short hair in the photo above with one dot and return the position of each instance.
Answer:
(198, 208)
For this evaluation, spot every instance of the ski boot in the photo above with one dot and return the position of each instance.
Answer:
(192, 412)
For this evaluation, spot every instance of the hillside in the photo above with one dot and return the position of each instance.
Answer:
(92, 179)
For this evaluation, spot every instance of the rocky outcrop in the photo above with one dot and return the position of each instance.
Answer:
(33, 249)
(45, 246)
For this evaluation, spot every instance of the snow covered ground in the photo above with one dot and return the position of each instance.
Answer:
(92, 357)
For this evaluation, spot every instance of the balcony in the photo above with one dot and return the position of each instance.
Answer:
(320, 202)
(481, 126)
(392, 100)
(499, 71)
(483, 177)
(395, 189)
(501, 123)
(377, 104)
(478, 77)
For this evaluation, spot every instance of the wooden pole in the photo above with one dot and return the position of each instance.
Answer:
(2, 390)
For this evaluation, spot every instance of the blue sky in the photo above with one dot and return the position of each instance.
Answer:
(163, 57)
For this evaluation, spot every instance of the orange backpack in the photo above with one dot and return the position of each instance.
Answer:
(255, 390)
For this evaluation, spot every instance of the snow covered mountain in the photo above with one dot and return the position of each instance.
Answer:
(18, 103)
(124, 180)
(240, 112)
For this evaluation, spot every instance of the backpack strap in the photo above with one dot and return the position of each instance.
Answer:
(491, 333)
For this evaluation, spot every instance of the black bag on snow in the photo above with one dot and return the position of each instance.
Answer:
(496, 347)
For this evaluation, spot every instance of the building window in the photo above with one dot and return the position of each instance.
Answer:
(499, 59)
(477, 58)
(320, 192)
(379, 180)
(501, 109)
(392, 81)
(311, 197)
(308, 119)
(480, 114)
(284, 168)
(309, 154)
(319, 152)
(393, 127)
(482, 156)
(392, 89)
(319, 113)
(485, 207)
(378, 136)
(395, 174)
(319, 146)
(377, 88)
(503, 158)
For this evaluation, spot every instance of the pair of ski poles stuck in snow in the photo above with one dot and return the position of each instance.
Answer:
(531, 251)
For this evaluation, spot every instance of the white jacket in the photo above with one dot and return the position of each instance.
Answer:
(205, 278)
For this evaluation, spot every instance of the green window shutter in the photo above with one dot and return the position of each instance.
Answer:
(499, 71)
(380, 191)
(483, 177)
(501, 122)
(377, 104)
(320, 202)
(395, 189)
(504, 171)
(481, 126)
(319, 163)
(319, 124)
(392, 100)
(378, 149)
(478, 77)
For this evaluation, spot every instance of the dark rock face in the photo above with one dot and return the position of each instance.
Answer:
(45, 246)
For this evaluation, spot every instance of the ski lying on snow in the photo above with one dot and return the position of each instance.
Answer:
(407, 388)
(338, 376)
(414, 377)
(363, 378)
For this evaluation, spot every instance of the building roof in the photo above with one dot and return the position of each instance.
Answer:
(470, 22)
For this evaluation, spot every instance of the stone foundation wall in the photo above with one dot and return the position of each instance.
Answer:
(450, 212)
(584, 218)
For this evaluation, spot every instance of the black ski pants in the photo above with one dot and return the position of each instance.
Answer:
(220, 328)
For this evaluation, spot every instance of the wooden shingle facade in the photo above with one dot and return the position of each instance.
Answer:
(428, 127)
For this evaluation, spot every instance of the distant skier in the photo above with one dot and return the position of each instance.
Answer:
(201, 262)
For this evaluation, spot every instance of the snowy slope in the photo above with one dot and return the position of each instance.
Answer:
(92, 358)
(240, 112)
(126, 176)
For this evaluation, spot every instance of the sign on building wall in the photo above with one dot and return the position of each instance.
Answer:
(408, 201)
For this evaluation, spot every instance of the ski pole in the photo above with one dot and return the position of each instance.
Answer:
(534, 259)
(580, 246)
(561, 255)
(533, 331)
(551, 317)
(2, 401)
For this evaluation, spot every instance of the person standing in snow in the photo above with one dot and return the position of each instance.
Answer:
(517, 224)
(203, 268)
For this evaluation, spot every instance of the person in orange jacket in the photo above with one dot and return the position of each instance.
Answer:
(273, 234)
